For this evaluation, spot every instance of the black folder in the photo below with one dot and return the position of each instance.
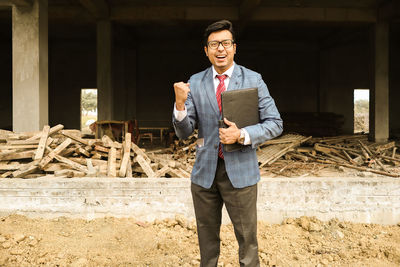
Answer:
(241, 107)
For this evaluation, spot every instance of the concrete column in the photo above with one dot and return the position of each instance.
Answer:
(104, 70)
(30, 66)
(379, 114)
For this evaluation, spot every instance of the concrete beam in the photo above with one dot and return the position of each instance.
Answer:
(30, 66)
(163, 13)
(315, 14)
(389, 10)
(16, 2)
(98, 8)
(233, 13)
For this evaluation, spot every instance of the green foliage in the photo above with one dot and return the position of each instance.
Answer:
(89, 101)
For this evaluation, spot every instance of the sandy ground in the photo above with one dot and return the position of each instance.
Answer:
(128, 242)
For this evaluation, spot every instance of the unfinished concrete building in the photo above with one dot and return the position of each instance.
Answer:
(312, 55)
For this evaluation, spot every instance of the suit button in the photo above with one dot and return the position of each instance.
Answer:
(215, 146)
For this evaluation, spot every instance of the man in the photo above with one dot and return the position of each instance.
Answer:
(221, 177)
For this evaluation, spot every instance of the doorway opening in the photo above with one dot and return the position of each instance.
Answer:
(88, 109)
(361, 110)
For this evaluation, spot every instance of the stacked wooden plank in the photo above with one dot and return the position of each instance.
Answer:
(352, 151)
(59, 152)
(65, 153)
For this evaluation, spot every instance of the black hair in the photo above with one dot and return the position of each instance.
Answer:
(218, 26)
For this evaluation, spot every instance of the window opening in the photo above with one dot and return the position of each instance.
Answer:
(361, 110)
(88, 109)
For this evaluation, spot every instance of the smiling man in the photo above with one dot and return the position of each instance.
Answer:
(220, 177)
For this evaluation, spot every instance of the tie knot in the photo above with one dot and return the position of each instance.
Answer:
(221, 77)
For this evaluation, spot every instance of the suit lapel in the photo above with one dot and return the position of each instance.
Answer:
(210, 92)
(234, 82)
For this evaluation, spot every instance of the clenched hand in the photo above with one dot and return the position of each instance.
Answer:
(181, 93)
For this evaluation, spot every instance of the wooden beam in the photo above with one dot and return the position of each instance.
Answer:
(54, 152)
(111, 165)
(145, 166)
(98, 8)
(42, 143)
(74, 137)
(71, 163)
(126, 156)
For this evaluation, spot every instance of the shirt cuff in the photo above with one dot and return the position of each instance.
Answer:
(179, 114)
(247, 140)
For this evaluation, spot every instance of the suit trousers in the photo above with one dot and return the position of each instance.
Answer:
(241, 206)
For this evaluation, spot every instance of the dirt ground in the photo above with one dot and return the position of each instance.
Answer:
(128, 242)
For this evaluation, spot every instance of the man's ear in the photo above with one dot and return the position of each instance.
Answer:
(206, 50)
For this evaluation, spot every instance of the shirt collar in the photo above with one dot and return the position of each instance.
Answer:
(228, 72)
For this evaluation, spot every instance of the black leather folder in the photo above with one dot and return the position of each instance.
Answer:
(241, 107)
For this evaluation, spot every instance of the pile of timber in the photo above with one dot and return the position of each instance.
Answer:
(65, 153)
(351, 151)
(185, 150)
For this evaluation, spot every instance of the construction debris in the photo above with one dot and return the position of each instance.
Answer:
(64, 153)
(306, 155)
(58, 152)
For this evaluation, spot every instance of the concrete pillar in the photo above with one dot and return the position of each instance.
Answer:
(379, 103)
(104, 70)
(30, 66)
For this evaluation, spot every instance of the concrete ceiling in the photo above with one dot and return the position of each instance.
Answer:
(275, 19)
(136, 11)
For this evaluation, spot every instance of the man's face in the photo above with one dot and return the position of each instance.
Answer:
(221, 57)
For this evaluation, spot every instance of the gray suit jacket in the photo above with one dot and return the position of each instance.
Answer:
(203, 112)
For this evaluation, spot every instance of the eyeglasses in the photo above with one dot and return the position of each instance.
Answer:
(225, 43)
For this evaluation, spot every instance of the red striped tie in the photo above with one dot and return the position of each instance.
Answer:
(220, 89)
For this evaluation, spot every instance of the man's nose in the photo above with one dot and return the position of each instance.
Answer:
(220, 47)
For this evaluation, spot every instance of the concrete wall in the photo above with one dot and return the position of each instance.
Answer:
(158, 67)
(125, 82)
(303, 76)
(290, 70)
(72, 67)
(5, 74)
(5, 86)
(147, 73)
(344, 67)
(367, 200)
(394, 81)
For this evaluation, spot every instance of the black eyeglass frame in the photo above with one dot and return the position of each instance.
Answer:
(220, 43)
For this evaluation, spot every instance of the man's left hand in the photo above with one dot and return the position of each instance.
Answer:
(229, 135)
